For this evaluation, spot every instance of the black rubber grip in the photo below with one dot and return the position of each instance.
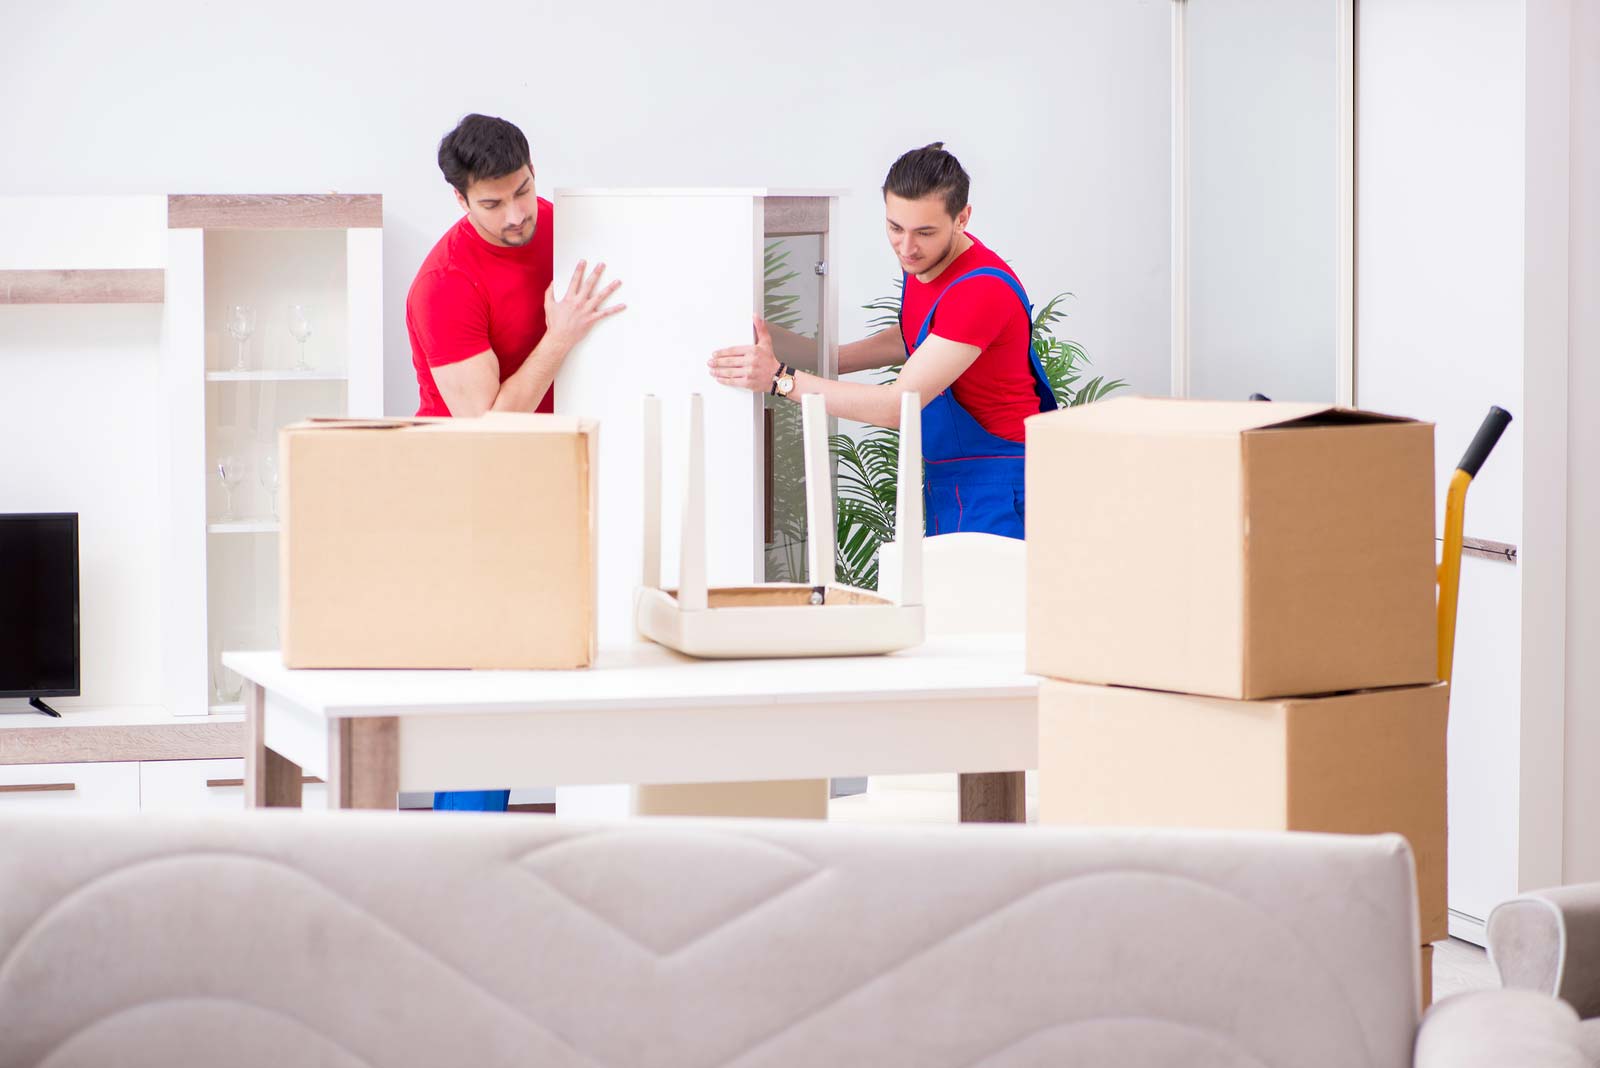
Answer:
(1494, 424)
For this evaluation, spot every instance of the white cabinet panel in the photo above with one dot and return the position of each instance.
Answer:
(205, 786)
(110, 786)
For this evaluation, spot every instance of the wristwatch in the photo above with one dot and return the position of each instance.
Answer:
(783, 381)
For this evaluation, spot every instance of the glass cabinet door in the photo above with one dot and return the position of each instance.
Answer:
(794, 307)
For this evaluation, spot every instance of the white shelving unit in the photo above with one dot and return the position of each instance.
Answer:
(267, 252)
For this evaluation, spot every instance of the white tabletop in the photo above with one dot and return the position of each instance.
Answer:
(648, 676)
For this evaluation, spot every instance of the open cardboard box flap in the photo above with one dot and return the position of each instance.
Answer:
(489, 422)
(1165, 415)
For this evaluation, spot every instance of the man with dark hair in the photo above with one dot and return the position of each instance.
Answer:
(487, 333)
(975, 367)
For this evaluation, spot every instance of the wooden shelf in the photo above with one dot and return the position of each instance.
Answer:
(276, 376)
(244, 526)
(94, 735)
(292, 211)
(131, 285)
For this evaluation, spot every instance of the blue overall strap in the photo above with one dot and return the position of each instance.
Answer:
(1041, 385)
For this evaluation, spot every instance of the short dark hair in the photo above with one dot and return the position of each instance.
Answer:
(928, 170)
(481, 146)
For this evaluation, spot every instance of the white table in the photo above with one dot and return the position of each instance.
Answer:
(642, 714)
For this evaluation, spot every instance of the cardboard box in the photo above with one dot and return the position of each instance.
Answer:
(1239, 550)
(1359, 763)
(438, 543)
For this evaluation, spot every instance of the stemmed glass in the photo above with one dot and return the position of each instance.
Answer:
(267, 471)
(241, 323)
(226, 686)
(230, 472)
(300, 330)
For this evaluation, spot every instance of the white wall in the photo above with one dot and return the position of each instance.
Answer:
(1582, 858)
(1060, 112)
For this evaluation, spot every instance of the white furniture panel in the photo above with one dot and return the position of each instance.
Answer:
(112, 785)
(691, 262)
(1462, 282)
(205, 786)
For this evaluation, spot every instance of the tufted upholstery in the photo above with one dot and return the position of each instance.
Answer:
(348, 939)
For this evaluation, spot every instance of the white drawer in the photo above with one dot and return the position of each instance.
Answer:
(108, 786)
(205, 785)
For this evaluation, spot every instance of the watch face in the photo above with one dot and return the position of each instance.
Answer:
(785, 384)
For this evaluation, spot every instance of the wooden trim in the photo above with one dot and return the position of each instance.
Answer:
(144, 741)
(364, 763)
(993, 797)
(791, 216)
(292, 211)
(305, 780)
(123, 285)
(37, 787)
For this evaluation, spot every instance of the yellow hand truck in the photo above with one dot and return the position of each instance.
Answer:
(1455, 508)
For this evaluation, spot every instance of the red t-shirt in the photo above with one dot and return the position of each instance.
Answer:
(997, 390)
(470, 296)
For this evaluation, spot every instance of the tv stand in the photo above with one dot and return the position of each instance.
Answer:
(43, 708)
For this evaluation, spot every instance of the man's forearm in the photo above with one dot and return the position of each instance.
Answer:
(526, 389)
(880, 350)
(878, 404)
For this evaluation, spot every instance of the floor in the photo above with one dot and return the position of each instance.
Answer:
(1457, 966)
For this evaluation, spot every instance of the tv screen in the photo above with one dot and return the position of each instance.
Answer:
(39, 605)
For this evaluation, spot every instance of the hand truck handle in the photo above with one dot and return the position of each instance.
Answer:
(1483, 443)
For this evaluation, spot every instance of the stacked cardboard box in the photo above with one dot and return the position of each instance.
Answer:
(438, 543)
(1234, 607)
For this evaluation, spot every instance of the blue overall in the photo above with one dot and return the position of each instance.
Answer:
(973, 480)
(472, 800)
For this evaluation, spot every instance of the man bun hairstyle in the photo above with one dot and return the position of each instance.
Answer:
(481, 146)
(928, 170)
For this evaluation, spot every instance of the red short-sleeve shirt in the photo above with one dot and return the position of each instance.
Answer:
(997, 390)
(470, 296)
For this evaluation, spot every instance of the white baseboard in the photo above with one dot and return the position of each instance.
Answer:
(1468, 928)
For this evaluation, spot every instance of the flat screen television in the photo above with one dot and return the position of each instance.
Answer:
(39, 607)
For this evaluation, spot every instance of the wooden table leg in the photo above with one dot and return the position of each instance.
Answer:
(270, 781)
(993, 797)
(364, 762)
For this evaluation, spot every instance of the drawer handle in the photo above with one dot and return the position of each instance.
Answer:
(306, 780)
(37, 787)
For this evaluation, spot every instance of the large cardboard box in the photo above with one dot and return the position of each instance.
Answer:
(1238, 550)
(438, 543)
(1358, 763)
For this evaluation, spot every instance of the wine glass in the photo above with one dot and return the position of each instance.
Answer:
(267, 472)
(241, 323)
(300, 330)
(230, 472)
(226, 685)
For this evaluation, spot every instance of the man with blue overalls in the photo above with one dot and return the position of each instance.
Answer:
(965, 337)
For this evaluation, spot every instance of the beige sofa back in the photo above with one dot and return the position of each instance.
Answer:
(350, 939)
